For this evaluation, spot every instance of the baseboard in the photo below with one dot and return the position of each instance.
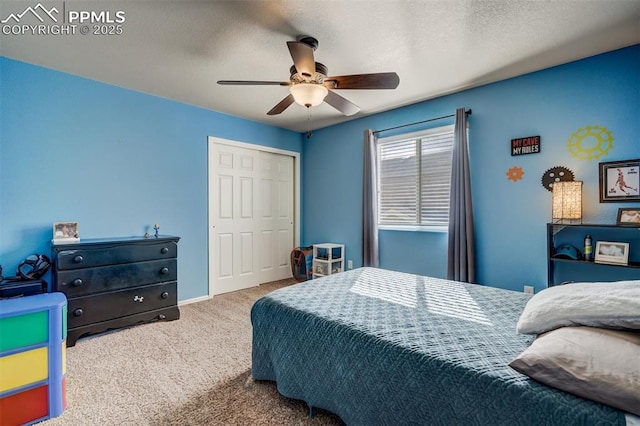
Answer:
(194, 300)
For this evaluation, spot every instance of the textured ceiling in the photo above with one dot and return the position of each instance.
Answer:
(179, 49)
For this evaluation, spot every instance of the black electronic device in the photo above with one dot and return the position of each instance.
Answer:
(27, 280)
(22, 288)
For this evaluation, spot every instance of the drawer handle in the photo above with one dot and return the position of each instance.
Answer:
(164, 250)
(162, 316)
(77, 282)
(164, 270)
(78, 259)
(138, 299)
(77, 312)
(165, 294)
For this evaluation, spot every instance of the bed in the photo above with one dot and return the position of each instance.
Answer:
(378, 347)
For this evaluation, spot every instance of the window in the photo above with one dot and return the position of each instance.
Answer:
(414, 180)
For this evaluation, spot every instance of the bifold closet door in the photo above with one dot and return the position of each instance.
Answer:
(252, 215)
(276, 216)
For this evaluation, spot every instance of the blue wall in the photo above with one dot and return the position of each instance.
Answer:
(114, 160)
(118, 161)
(603, 90)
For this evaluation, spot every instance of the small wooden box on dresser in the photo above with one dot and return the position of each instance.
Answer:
(116, 282)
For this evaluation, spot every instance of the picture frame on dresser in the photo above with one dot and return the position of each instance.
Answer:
(65, 232)
(619, 181)
(614, 253)
(628, 217)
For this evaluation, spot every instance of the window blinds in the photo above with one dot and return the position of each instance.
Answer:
(415, 178)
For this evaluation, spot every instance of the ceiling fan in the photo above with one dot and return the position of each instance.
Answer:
(309, 85)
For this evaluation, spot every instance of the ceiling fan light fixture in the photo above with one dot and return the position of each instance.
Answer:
(308, 94)
(309, 85)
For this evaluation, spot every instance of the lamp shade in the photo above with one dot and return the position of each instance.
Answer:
(308, 94)
(567, 201)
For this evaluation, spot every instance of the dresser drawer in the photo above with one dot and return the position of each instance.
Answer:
(102, 307)
(110, 255)
(80, 282)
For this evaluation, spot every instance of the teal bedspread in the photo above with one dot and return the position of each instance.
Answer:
(378, 347)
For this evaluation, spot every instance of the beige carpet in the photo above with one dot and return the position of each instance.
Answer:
(193, 371)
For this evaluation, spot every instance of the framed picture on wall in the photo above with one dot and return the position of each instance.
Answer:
(619, 181)
(612, 252)
(65, 232)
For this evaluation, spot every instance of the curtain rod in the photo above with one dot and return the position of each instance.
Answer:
(468, 112)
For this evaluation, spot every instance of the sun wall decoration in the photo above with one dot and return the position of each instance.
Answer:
(590, 142)
(515, 173)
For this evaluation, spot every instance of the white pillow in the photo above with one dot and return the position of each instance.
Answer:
(599, 304)
(594, 363)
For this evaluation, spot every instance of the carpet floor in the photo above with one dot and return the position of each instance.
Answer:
(193, 371)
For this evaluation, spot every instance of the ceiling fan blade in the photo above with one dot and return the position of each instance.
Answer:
(341, 104)
(382, 80)
(253, 83)
(282, 105)
(302, 55)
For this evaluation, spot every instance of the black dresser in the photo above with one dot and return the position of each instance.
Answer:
(116, 282)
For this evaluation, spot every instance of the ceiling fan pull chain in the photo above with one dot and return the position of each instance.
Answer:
(309, 134)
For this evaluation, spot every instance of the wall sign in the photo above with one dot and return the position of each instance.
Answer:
(528, 145)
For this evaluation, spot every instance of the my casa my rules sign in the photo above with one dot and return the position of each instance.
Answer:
(528, 145)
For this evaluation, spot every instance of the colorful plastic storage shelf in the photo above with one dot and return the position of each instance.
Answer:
(33, 330)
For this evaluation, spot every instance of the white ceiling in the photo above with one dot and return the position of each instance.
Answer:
(179, 49)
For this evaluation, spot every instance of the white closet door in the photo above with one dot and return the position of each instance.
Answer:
(252, 214)
(276, 216)
(235, 240)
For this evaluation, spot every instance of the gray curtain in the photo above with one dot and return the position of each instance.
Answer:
(370, 255)
(461, 257)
